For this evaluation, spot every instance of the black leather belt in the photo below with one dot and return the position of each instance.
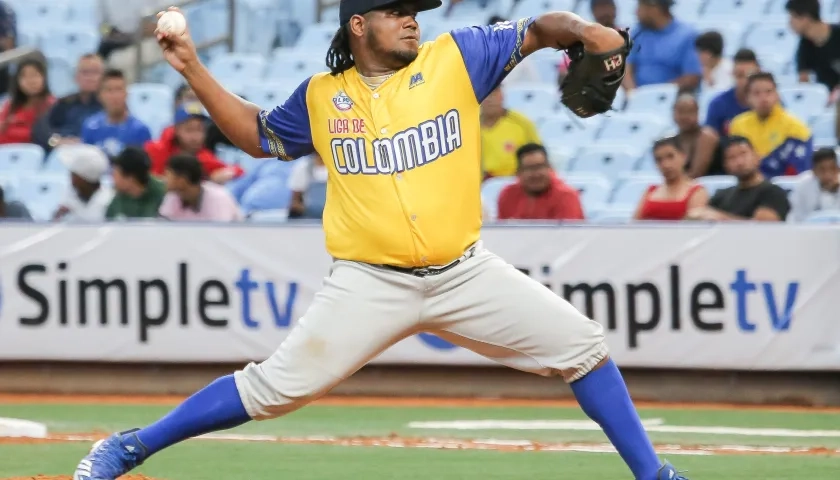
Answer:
(433, 270)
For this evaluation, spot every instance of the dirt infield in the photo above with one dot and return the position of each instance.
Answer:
(68, 477)
(394, 402)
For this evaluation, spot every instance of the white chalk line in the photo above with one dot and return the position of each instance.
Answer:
(653, 425)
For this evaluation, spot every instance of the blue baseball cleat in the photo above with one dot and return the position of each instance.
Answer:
(112, 457)
(668, 472)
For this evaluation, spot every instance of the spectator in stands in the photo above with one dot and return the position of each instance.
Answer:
(700, 144)
(754, 198)
(190, 198)
(8, 39)
(663, 51)
(12, 209)
(819, 44)
(818, 191)
(783, 142)
(678, 193)
(187, 137)
(138, 193)
(308, 184)
(87, 200)
(733, 102)
(717, 70)
(63, 124)
(502, 132)
(114, 128)
(215, 137)
(604, 12)
(538, 193)
(28, 101)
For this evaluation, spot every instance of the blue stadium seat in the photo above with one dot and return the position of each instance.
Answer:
(316, 37)
(529, 8)
(611, 161)
(280, 215)
(638, 131)
(685, 10)
(293, 66)
(594, 190)
(703, 100)
(787, 182)
(560, 154)
(234, 70)
(531, 100)
(735, 8)
(9, 182)
(490, 190)
(269, 193)
(69, 43)
(438, 28)
(81, 12)
(42, 193)
(619, 214)
(152, 103)
(267, 94)
(829, 216)
(772, 39)
(570, 132)
(61, 75)
(631, 189)
(823, 128)
(547, 65)
(713, 183)
(652, 99)
(731, 31)
(41, 12)
(21, 157)
(806, 101)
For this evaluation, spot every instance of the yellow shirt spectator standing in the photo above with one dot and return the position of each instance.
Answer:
(783, 142)
(502, 132)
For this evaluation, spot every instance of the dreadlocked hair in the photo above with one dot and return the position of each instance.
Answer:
(339, 57)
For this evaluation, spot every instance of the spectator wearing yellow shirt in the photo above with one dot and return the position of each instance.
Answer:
(502, 132)
(783, 142)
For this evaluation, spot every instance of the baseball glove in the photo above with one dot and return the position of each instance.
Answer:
(593, 79)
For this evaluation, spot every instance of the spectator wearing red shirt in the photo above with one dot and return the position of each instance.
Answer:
(538, 194)
(187, 137)
(29, 99)
(678, 194)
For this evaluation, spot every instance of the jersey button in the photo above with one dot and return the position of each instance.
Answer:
(375, 95)
(399, 176)
(383, 131)
(413, 218)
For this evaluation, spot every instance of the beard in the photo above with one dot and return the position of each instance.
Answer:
(396, 58)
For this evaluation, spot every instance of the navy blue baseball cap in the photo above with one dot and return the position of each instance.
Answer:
(348, 8)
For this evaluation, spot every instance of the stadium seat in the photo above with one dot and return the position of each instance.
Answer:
(438, 28)
(41, 12)
(560, 154)
(573, 134)
(771, 39)
(731, 31)
(152, 103)
(637, 131)
(9, 182)
(830, 216)
(531, 100)
(713, 183)
(293, 66)
(69, 43)
(594, 190)
(42, 193)
(735, 8)
(316, 37)
(269, 193)
(823, 128)
(21, 157)
(613, 214)
(787, 182)
(234, 70)
(279, 215)
(529, 8)
(806, 101)
(652, 99)
(61, 75)
(490, 190)
(631, 189)
(608, 160)
(267, 94)
(685, 9)
(547, 65)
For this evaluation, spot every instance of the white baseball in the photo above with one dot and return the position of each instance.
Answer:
(172, 23)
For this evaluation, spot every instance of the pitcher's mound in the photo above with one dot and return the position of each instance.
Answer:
(70, 477)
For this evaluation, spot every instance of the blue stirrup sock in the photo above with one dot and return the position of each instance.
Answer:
(603, 396)
(215, 407)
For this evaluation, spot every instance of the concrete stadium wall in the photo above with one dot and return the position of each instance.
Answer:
(749, 388)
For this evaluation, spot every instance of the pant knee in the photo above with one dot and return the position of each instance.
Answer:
(268, 391)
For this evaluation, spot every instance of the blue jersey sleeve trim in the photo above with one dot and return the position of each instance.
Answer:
(491, 52)
(285, 131)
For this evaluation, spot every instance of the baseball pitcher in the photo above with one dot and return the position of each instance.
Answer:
(397, 124)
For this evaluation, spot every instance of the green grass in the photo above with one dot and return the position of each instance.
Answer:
(196, 460)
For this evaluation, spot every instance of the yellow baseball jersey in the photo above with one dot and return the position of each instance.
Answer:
(500, 142)
(783, 142)
(404, 158)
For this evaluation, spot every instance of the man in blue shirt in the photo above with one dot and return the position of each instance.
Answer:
(114, 128)
(664, 49)
(733, 102)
